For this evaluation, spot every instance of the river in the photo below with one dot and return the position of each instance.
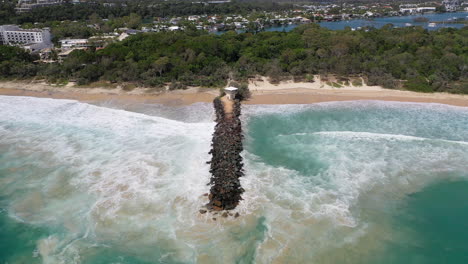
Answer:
(397, 21)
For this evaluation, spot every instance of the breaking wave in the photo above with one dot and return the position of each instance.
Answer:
(322, 182)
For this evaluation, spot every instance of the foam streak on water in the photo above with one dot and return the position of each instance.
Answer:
(324, 183)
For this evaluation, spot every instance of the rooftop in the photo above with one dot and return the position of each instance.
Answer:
(231, 88)
(17, 28)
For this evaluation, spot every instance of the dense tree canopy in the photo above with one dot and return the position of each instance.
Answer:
(426, 60)
(15, 62)
(143, 8)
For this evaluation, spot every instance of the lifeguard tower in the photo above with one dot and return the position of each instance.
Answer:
(230, 92)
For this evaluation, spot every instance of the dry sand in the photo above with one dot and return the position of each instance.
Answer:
(306, 93)
(263, 92)
(146, 95)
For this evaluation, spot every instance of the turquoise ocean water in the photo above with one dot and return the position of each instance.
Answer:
(344, 182)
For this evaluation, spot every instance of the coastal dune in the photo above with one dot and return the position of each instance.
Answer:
(263, 92)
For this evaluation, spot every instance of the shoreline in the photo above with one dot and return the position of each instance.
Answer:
(262, 91)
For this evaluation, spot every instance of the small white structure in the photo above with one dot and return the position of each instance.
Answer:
(174, 28)
(231, 92)
(123, 36)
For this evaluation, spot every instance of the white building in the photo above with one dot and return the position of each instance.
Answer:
(123, 36)
(426, 9)
(413, 10)
(231, 92)
(451, 5)
(408, 10)
(32, 40)
(174, 28)
(193, 18)
(74, 43)
(95, 41)
(14, 35)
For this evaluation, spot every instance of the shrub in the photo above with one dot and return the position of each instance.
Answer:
(385, 80)
(128, 86)
(309, 78)
(357, 82)
(243, 91)
(336, 85)
(418, 84)
(177, 86)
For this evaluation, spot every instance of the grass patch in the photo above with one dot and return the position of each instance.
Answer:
(334, 84)
(309, 78)
(61, 82)
(356, 82)
(153, 90)
(99, 84)
(128, 86)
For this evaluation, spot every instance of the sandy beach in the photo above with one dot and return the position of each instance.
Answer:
(263, 92)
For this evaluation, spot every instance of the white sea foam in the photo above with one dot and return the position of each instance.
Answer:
(372, 166)
(134, 182)
(135, 170)
(254, 110)
(355, 135)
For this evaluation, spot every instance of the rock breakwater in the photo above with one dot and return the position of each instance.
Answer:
(226, 162)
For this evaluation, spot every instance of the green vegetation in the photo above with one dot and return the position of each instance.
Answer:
(428, 60)
(17, 63)
(357, 82)
(335, 84)
(118, 9)
(243, 92)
